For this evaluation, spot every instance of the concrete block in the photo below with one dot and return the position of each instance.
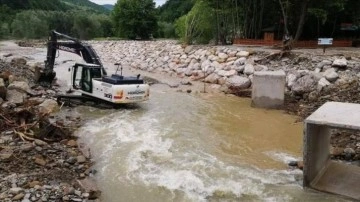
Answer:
(320, 172)
(268, 89)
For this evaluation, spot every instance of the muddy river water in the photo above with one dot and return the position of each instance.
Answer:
(196, 147)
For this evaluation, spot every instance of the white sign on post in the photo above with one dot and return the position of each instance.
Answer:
(325, 41)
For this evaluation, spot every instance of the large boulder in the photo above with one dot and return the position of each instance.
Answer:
(15, 97)
(243, 54)
(48, 106)
(2, 89)
(249, 69)
(223, 56)
(236, 82)
(18, 61)
(331, 75)
(212, 78)
(290, 79)
(20, 86)
(342, 62)
(241, 61)
(304, 84)
(5, 75)
(322, 83)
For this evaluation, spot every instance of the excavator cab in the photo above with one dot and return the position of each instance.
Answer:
(82, 75)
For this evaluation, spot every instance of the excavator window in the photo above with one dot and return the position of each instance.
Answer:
(86, 80)
(96, 72)
(77, 77)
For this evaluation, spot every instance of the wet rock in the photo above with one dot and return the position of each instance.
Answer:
(16, 190)
(71, 160)
(18, 197)
(3, 196)
(331, 75)
(40, 161)
(18, 61)
(188, 49)
(48, 106)
(336, 151)
(239, 62)
(26, 147)
(290, 79)
(350, 151)
(33, 184)
(242, 54)
(40, 142)
(238, 82)
(3, 89)
(212, 78)
(6, 155)
(78, 192)
(304, 84)
(322, 83)
(249, 69)
(81, 159)
(20, 86)
(90, 187)
(35, 100)
(15, 97)
(223, 56)
(39, 149)
(72, 143)
(342, 63)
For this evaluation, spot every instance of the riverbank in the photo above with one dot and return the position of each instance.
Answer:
(40, 158)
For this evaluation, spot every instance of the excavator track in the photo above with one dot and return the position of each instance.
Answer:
(84, 100)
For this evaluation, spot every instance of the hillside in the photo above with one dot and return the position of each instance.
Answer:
(86, 5)
(54, 5)
(34, 4)
(108, 6)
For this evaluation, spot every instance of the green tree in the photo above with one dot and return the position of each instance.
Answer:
(196, 26)
(6, 15)
(166, 30)
(173, 9)
(135, 18)
(85, 26)
(29, 24)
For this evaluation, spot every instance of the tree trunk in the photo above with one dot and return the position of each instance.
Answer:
(284, 13)
(300, 27)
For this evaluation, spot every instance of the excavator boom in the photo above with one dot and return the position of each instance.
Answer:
(72, 45)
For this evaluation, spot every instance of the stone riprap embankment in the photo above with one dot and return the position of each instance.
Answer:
(230, 68)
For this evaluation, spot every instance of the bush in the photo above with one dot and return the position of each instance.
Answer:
(166, 30)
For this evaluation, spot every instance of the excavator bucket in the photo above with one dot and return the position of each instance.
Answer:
(43, 77)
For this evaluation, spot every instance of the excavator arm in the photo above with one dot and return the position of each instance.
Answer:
(72, 45)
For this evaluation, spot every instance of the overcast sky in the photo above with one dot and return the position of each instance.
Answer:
(101, 2)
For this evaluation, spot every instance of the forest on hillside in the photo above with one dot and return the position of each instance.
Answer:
(191, 21)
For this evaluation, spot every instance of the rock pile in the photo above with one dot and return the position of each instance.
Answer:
(39, 158)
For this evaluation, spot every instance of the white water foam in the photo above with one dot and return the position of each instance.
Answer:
(156, 161)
